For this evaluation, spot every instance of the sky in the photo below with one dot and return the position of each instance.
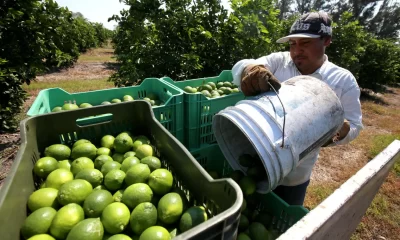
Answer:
(100, 10)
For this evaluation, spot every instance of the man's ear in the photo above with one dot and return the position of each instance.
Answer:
(327, 41)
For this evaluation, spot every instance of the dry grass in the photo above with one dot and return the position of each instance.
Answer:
(98, 55)
(337, 164)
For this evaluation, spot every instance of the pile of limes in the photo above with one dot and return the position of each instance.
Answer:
(118, 190)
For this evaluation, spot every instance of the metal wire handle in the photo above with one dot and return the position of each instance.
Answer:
(284, 115)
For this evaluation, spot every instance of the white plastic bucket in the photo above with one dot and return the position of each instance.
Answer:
(313, 114)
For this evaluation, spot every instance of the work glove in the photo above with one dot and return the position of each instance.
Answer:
(339, 135)
(255, 79)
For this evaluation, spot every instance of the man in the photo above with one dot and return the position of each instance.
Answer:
(308, 38)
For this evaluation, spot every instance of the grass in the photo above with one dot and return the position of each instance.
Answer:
(380, 142)
(97, 55)
(70, 86)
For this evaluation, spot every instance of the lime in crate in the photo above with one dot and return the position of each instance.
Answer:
(220, 199)
(269, 209)
(167, 102)
(203, 98)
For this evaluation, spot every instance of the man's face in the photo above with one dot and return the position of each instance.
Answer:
(308, 53)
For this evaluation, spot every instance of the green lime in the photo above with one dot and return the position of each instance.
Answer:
(80, 141)
(123, 143)
(155, 233)
(44, 197)
(103, 151)
(151, 161)
(56, 109)
(115, 100)
(58, 177)
(192, 217)
(160, 181)
(136, 194)
(143, 151)
(257, 231)
(109, 166)
(243, 222)
(58, 151)
(129, 162)
(42, 237)
(118, 195)
(74, 191)
(84, 150)
(64, 164)
(100, 160)
(248, 185)
(115, 217)
(119, 237)
(243, 236)
(38, 222)
(170, 208)
(138, 173)
(143, 216)
(81, 163)
(70, 106)
(44, 166)
(100, 187)
(88, 229)
(107, 141)
(95, 203)
(118, 157)
(93, 176)
(236, 175)
(85, 105)
(129, 154)
(114, 180)
(66, 218)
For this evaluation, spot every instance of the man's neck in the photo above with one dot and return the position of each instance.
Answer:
(311, 70)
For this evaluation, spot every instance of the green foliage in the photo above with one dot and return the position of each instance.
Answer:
(36, 36)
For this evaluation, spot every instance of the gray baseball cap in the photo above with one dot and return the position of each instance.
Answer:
(310, 25)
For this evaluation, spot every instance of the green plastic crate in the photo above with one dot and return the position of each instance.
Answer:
(283, 215)
(222, 198)
(170, 114)
(199, 110)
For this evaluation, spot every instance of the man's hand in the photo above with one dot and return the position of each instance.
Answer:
(255, 80)
(339, 135)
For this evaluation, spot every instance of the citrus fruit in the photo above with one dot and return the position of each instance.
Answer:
(100, 187)
(95, 203)
(81, 163)
(143, 216)
(257, 173)
(243, 236)
(44, 197)
(93, 176)
(100, 160)
(119, 237)
(248, 185)
(38, 222)
(44, 166)
(88, 229)
(58, 151)
(170, 208)
(115, 217)
(160, 181)
(74, 191)
(64, 164)
(42, 237)
(118, 157)
(236, 175)
(243, 222)
(56, 109)
(136, 194)
(143, 151)
(70, 106)
(123, 143)
(58, 177)
(84, 150)
(103, 151)
(85, 105)
(257, 231)
(155, 233)
(118, 195)
(127, 98)
(151, 161)
(129, 162)
(115, 100)
(107, 141)
(192, 217)
(114, 179)
(66, 218)
(110, 165)
(129, 154)
(80, 141)
(138, 173)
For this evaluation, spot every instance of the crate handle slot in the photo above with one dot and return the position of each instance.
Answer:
(100, 119)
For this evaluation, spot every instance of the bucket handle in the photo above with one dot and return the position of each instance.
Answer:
(284, 115)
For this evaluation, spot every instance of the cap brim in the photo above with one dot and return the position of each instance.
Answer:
(297, 35)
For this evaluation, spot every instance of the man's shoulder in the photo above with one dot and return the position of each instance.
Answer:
(333, 70)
